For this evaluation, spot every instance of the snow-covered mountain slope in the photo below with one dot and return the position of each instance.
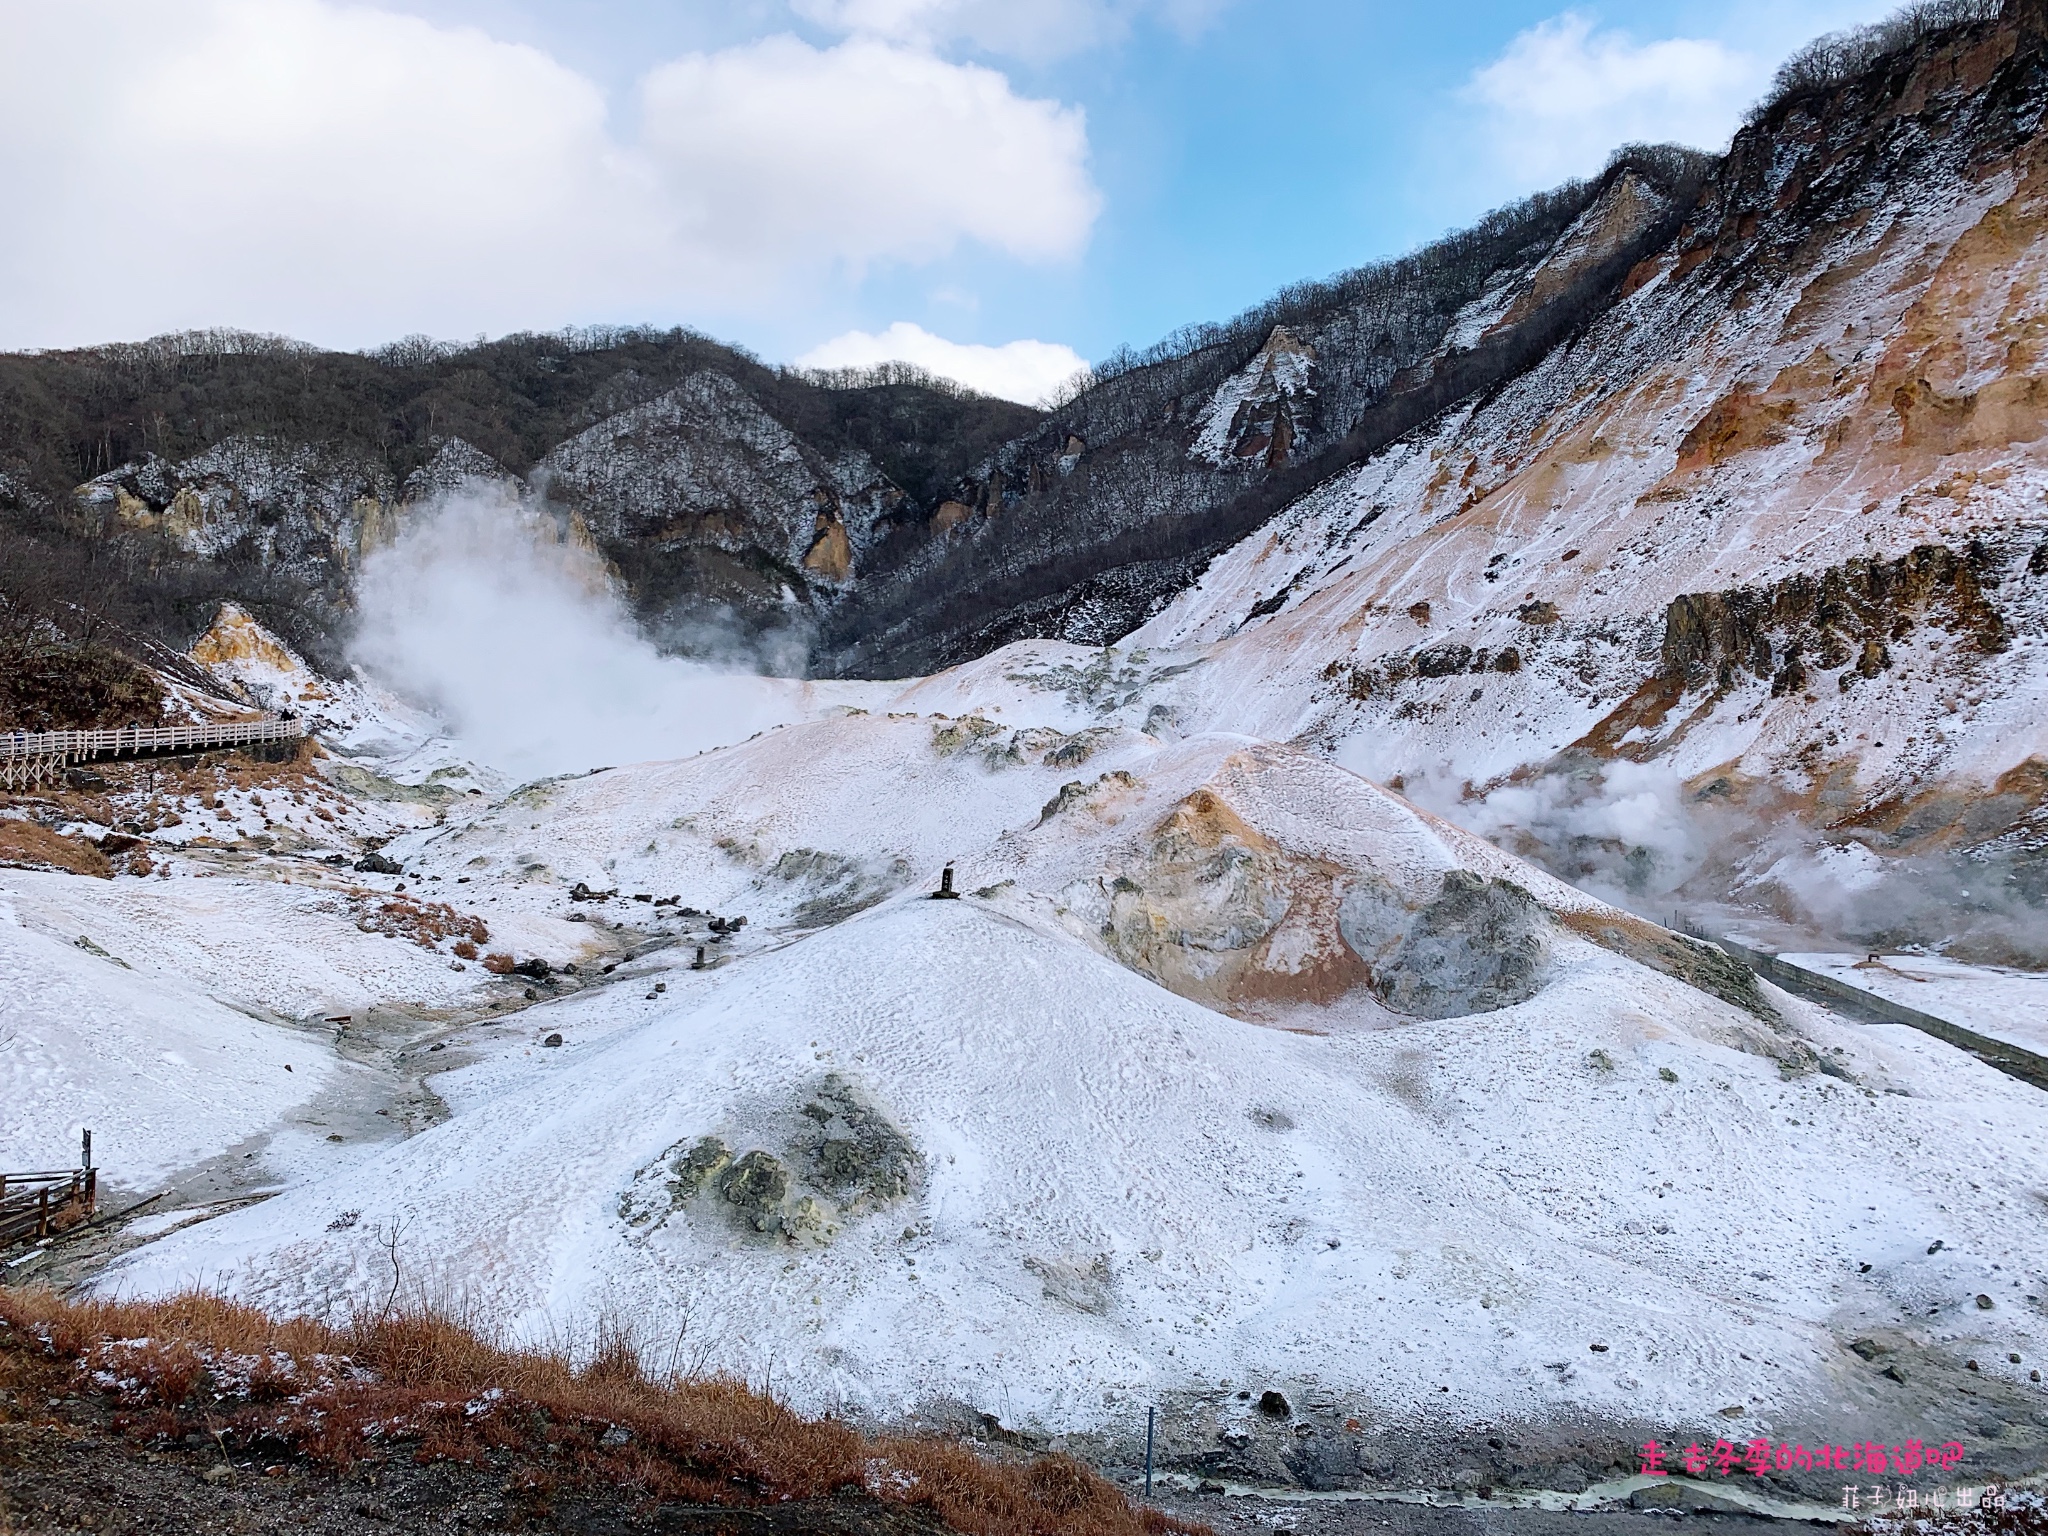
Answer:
(1045, 1189)
(1228, 1071)
(1118, 499)
(1700, 528)
(1771, 524)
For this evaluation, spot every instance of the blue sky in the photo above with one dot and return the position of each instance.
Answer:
(784, 173)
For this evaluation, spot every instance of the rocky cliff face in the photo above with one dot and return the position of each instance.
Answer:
(705, 479)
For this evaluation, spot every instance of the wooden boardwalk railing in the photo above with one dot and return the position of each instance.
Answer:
(28, 757)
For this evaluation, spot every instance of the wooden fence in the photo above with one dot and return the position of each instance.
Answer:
(37, 1205)
(28, 758)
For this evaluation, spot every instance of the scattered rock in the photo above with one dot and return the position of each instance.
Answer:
(551, 1040)
(1075, 750)
(856, 1153)
(756, 1186)
(377, 864)
(1479, 946)
(849, 1160)
(1275, 1405)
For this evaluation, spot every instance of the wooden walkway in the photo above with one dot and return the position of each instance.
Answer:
(1869, 1007)
(28, 758)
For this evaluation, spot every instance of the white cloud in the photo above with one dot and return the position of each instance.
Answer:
(881, 150)
(1027, 371)
(1564, 95)
(348, 174)
(1035, 29)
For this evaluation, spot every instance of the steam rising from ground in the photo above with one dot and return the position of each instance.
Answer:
(1638, 835)
(481, 612)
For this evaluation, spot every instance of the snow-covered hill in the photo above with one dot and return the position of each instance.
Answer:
(1227, 1072)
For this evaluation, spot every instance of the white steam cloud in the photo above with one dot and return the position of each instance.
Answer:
(1641, 836)
(515, 639)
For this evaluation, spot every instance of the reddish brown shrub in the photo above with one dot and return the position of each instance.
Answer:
(419, 1385)
(499, 965)
(426, 923)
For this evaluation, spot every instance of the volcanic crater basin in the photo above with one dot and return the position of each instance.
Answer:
(1125, 1198)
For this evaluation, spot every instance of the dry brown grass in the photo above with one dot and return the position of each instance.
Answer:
(418, 1385)
(26, 843)
(425, 923)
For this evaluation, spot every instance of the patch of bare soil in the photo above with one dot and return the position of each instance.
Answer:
(64, 1473)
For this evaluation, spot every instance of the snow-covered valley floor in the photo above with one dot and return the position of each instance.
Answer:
(1228, 1074)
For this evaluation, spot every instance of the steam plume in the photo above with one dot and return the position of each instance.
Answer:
(515, 639)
